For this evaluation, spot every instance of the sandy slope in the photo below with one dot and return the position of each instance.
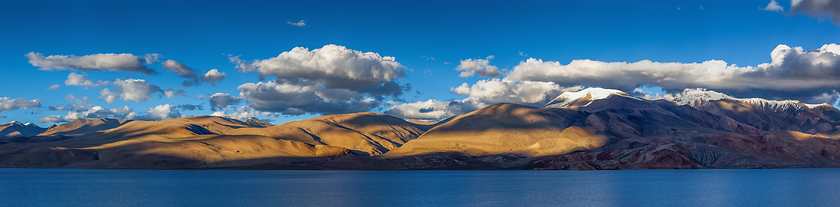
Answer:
(506, 129)
(364, 133)
(608, 132)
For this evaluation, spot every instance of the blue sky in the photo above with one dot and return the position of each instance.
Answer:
(429, 38)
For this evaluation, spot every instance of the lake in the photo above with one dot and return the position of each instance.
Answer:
(91, 187)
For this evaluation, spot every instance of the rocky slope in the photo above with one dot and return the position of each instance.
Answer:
(589, 129)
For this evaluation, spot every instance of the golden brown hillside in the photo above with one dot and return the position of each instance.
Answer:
(365, 133)
(506, 129)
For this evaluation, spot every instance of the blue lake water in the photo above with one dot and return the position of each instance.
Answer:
(84, 187)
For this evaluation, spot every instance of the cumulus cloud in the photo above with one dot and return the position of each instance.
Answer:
(222, 100)
(336, 66)
(234, 115)
(172, 93)
(793, 73)
(508, 91)
(185, 72)
(213, 76)
(8, 104)
(126, 113)
(481, 67)
(136, 90)
(78, 104)
(332, 79)
(773, 6)
(152, 58)
(74, 79)
(54, 87)
(96, 62)
(481, 94)
(638, 92)
(297, 24)
(433, 110)
(241, 113)
(52, 118)
(827, 97)
(160, 112)
(296, 98)
(190, 107)
(817, 8)
(97, 112)
(107, 95)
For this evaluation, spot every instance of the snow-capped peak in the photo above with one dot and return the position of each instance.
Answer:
(698, 97)
(29, 124)
(695, 97)
(589, 94)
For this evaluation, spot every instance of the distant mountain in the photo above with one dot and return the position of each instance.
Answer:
(590, 129)
(16, 129)
(768, 115)
(585, 97)
(254, 122)
(83, 126)
(362, 133)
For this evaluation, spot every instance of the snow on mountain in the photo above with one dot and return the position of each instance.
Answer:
(589, 94)
(692, 97)
(17, 129)
(698, 97)
(695, 97)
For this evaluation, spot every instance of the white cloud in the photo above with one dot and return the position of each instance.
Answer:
(817, 8)
(186, 72)
(481, 94)
(107, 95)
(481, 67)
(213, 76)
(53, 118)
(161, 112)
(336, 66)
(298, 24)
(54, 87)
(241, 113)
(329, 80)
(8, 104)
(827, 97)
(136, 90)
(96, 62)
(507, 91)
(172, 93)
(296, 98)
(97, 112)
(433, 110)
(190, 107)
(78, 104)
(638, 92)
(773, 6)
(790, 69)
(221, 100)
(74, 79)
(152, 58)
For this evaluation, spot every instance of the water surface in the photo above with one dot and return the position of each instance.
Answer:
(86, 187)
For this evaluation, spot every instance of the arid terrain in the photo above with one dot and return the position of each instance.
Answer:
(587, 130)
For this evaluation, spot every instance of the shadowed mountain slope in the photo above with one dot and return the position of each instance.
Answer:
(16, 129)
(589, 129)
(364, 133)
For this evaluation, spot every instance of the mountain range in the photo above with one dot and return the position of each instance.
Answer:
(591, 129)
